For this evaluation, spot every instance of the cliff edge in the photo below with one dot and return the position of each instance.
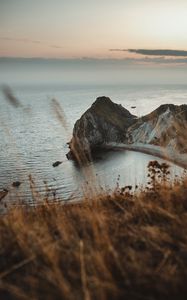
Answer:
(107, 122)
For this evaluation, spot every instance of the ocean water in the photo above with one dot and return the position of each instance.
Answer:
(32, 138)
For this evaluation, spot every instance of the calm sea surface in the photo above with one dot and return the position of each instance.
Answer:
(32, 138)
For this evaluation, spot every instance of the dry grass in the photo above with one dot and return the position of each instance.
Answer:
(112, 246)
(119, 246)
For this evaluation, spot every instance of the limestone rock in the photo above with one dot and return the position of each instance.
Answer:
(166, 126)
(106, 122)
(103, 122)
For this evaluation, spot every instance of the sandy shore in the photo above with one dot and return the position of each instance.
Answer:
(165, 153)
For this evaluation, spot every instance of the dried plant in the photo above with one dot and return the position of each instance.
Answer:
(118, 245)
(9, 96)
(115, 246)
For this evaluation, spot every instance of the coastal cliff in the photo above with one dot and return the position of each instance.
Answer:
(166, 127)
(102, 123)
(106, 122)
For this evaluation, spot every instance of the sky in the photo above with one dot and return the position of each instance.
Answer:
(91, 28)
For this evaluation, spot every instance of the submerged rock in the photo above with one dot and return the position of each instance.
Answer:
(106, 122)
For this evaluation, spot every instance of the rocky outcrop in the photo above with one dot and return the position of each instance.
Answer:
(103, 122)
(166, 126)
(106, 122)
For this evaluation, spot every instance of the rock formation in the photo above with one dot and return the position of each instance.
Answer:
(105, 122)
(166, 126)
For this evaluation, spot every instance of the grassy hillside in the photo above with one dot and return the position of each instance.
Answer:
(122, 245)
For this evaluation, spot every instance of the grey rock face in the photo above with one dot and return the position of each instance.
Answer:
(166, 126)
(105, 122)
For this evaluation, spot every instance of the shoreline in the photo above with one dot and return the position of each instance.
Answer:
(164, 153)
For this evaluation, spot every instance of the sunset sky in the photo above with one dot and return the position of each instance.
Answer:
(89, 28)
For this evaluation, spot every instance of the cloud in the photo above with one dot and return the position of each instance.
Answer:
(118, 49)
(25, 40)
(55, 46)
(155, 52)
(158, 52)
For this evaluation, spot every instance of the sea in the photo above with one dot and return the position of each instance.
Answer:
(33, 137)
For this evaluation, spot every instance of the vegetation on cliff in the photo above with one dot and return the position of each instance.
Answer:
(117, 245)
(121, 245)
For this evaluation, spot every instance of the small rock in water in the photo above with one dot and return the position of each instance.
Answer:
(133, 107)
(57, 163)
(16, 183)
